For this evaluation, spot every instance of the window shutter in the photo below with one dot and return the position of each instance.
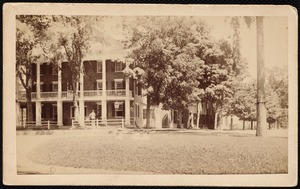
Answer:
(50, 87)
(113, 109)
(123, 109)
(95, 85)
(123, 83)
(113, 66)
(94, 66)
(113, 85)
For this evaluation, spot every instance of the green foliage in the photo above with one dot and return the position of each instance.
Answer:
(182, 64)
(243, 102)
(277, 95)
(30, 34)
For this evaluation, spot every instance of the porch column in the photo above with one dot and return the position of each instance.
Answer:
(59, 113)
(81, 101)
(59, 101)
(38, 111)
(38, 81)
(127, 102)
(192, 120)
(103, 101)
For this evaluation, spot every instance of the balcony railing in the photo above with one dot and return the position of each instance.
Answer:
(68, 95)
(92, 93)
(115, 92)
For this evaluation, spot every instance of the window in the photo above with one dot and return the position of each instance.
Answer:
(54, 86)
(54, 111)
(151, 114)
(99, 66)
(118, 66)
(99, 84)
(72, 111)
(119, 84)
(119, 109)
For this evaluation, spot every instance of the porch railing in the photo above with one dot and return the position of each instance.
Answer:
(49, 94)
(68, 95)
(34, 125)
(108, 122)
(115, 92)
(92, 93)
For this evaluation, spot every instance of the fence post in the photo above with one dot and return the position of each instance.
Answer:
(96, 123)
(72, 123)
(122, 123)
(48, 123)
(24, 124)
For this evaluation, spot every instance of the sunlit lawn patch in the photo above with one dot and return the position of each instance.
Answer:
(167, 153)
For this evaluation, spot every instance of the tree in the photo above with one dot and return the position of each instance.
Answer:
(71, 36)
(277, 95)
(30, 34)
(164, 47)
(242, 104)
(218, 76)
(261, 109)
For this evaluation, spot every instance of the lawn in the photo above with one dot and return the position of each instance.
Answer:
(166, 153)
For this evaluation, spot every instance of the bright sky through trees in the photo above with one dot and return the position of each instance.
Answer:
(276, 40)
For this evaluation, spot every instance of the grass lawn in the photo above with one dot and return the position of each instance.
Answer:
(166, 153)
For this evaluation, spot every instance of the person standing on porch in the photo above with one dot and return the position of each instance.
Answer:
(92, 117)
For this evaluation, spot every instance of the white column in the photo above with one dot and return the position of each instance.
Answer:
(59, 101)
(192, 120)
(103, 101)
(38, 111)
(59, 113)
(38, 81)
(127, 102)
(81, 101)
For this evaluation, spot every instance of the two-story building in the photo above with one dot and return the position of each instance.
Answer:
(103, 88)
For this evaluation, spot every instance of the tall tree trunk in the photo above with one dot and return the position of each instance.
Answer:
(29, 112)
(148, 113)
(231, 122)
(243, 124)
(251, 125)
(188, 123)
(198, 114)
(215, 121)
(75, 100)
(261, 109)
(220, 121)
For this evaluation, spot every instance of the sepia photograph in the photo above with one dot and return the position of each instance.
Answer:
(114, 95)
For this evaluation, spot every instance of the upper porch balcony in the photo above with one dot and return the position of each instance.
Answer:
(65, 95)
